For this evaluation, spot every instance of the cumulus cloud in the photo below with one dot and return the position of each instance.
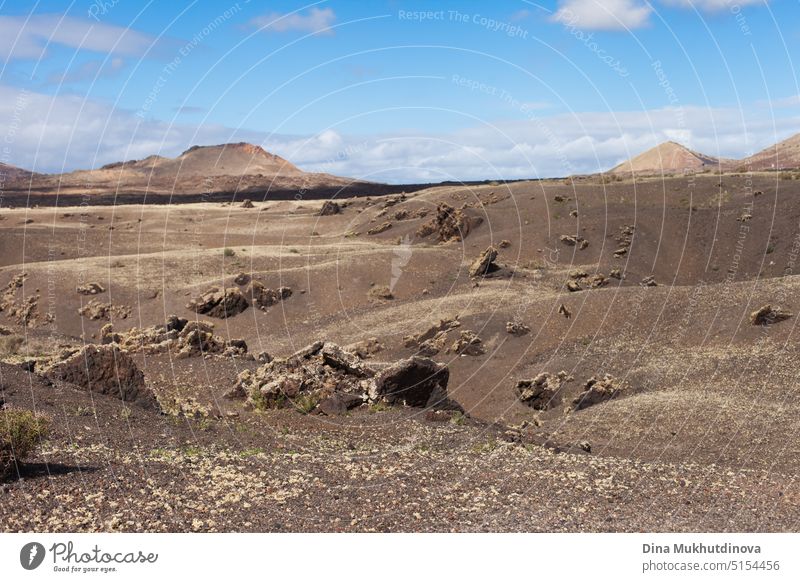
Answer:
(316, 21)
(23, 37)
(603, 14)
(56, 133)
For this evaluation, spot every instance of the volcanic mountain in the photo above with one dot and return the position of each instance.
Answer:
(781, 156)
(240, 168)
(668, 158)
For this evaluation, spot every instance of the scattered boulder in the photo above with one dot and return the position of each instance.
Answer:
(468, 344)
(90, 289)
(305, 379)
(380, 228)
(449, 224)
(444, 325)
(616, 274)
(95, 309)
(339, 403)
(219, 303)
(539, 393)
(597, 391)
(504, 244)
(572, 241)
(767, 315)
(242, 279)
(380, 292)
(416, 381)
(248, 204)
(624, 240)
(329, 208)
(484, 264)
(366, 348)
(649, 281)
(263, 297)
(178, 336)
(104, 369)
(573, 286)
(433, 346)
(517, 328)
(563, 310)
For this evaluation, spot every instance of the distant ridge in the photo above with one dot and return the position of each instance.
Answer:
(781, 156)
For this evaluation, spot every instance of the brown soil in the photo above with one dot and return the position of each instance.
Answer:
(694, 430)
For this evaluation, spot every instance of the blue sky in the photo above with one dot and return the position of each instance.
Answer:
(398, 90)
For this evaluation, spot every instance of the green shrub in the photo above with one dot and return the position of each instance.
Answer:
(21, 431)
(227, 252)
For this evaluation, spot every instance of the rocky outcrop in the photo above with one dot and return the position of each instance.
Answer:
(444, 325)
(468, 344)
(329, 208)
(484, 264)
(104, 369)
(90, 289)
(597, 391)
(517, 328)
(219, 303)
(380, 228)
(539, 392)
(263, 297)
(416, 381)
(178, 336)
(326, 378)
(306, 378)
(97, 310)
(767, 315)
(448, 224)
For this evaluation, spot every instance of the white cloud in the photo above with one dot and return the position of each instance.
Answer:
(603, 14)
(55, 133)
(88, 71)
(29, 37)
(714, 5)
(316, 21)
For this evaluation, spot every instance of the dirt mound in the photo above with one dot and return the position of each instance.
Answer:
(219, 303)
(104, 369)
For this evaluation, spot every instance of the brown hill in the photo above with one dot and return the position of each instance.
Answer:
(667, 158)
(226, 168)
(8, 172)
(781, 156)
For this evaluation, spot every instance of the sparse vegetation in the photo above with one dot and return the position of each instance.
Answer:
(228, 252)
(21, 431)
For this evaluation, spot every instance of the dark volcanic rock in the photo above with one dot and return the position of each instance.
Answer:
(416, 381)
(106, 370)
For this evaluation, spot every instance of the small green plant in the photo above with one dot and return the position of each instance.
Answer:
(380, 406)
(84, 411)
(21, 431)
(305, 403)
(770, 248)
(458, 418)
(228, 252)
